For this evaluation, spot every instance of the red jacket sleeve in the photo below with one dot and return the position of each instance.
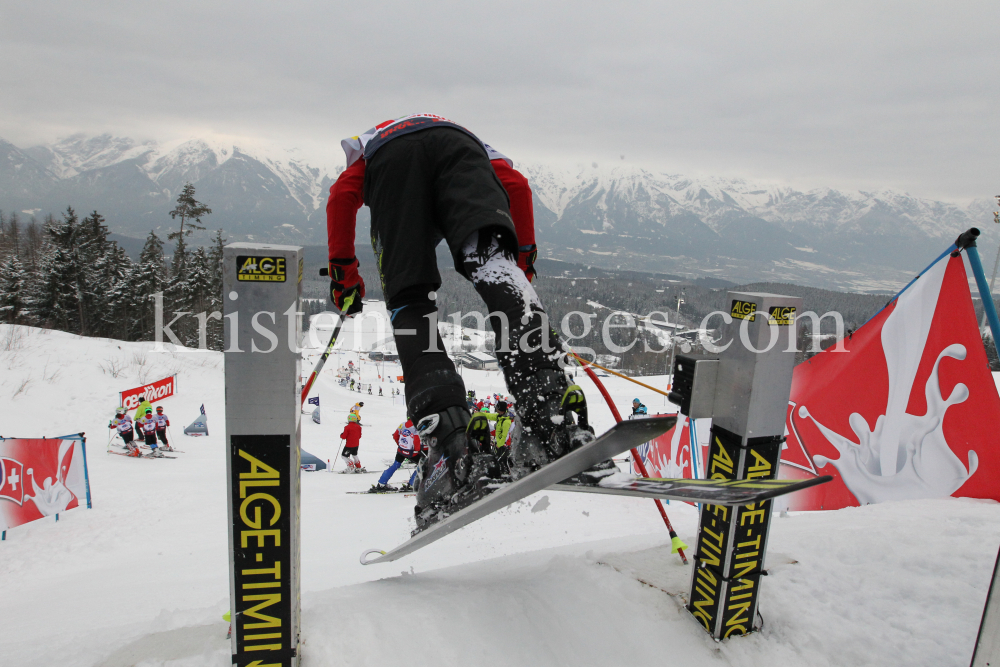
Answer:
(395, 436)
(519, 193)
(346, 197)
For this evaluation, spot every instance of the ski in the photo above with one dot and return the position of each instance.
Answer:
(146, 447)
(735, 492)
(622, 437)
(144, 456)
(405, 494)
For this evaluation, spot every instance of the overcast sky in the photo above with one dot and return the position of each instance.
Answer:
(903, 95)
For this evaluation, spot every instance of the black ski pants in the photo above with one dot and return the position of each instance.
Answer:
(422, 188)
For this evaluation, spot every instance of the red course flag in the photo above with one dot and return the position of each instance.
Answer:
(908, 411)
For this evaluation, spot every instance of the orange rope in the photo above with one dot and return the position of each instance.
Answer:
(624, 377)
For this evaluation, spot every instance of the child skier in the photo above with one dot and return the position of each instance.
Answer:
(352, 437)
(424, 177)
(501, 436)
(407, 449)
(148, 426)
(638, 408)
(356, 409)
(123, 424)
(161, 428)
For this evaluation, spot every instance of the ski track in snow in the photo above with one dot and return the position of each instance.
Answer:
(143, 577)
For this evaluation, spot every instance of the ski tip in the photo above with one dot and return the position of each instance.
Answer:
(364, 556)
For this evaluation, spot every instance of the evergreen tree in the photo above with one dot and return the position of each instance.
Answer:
(135, 294)
(178, 294)
(105, 266)
(190, 211)
(15, 301)
(62, 274)
(215, 267)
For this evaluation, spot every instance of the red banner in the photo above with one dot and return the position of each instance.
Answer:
(39, 478)
(165, 388)
(670, 454)
(908, 411)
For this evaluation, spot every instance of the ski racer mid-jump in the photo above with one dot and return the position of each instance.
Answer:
(425, 179)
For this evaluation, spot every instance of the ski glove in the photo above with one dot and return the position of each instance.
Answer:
(526, 256)
(346, 286)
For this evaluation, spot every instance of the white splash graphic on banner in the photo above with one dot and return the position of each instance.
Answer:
(53, 497)
(905, 456)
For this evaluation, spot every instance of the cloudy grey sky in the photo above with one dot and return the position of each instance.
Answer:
(903, 95)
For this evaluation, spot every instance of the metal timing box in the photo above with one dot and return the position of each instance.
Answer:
(261, 292)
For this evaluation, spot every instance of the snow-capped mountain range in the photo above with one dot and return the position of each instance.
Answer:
(614, 216)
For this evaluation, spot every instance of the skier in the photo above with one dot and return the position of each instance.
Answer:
(123, 424)
(501, 436)
(148, 426)
(356, 409)
(352, 384)
(638, 408)
(352, 437)
(380, 390)
(162, 422)
(407, 449)
(425, 179)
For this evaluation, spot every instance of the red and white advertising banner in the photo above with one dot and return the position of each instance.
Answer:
(153, 392)
(41, 477)
(669, 455)
(909, 411)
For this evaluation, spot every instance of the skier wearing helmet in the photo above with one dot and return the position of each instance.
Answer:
(426, 179)
(638, 408)
(122, 423)
(352, 437)
(162, 422)
(407, 449)
(148, 426)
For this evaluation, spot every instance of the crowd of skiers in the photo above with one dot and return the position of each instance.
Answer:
(409, 448)
(150, 429)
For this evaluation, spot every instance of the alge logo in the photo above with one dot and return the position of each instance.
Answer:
(783, 316)
(260, 269)
(744, 310)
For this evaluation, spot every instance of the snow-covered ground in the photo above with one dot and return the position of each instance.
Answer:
(557, 579)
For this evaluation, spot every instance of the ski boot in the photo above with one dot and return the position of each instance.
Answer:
(554, 422)
(454, 473)
(156, 453)
(382, 488)
(405, 487)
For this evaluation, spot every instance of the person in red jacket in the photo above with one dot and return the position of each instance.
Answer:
(427, 179)
(352, 440)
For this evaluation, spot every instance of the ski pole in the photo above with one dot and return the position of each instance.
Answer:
(340, 449)
(326, 353)
(675, 541)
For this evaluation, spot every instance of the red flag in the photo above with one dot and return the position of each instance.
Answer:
(908, 411)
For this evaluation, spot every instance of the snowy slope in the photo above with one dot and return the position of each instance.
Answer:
(557, 579)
